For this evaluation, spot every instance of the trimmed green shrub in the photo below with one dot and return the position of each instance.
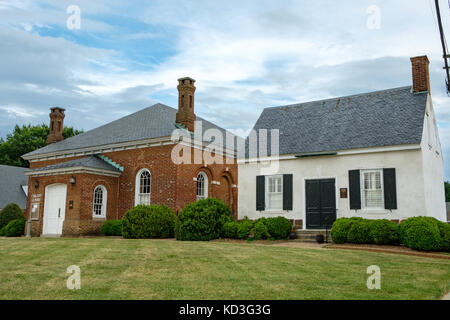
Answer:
(2, 232)
(9, 213)
(202, 220)
(15, 228)
(278, 228)
(112, 228)
(341, 227)
(148, 222)
(230, 230)
(259, 231)
(384, 232)
(421, 233)
(359, 231)
(444, 229)
(244, 228)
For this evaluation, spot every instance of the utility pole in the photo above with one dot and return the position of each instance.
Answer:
(446, 55)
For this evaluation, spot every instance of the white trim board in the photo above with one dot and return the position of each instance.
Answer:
(338, 153)
(61, 171)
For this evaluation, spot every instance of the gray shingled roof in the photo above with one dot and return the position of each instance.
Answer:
(91, 162)
(153, 122)
(376, 119)
(11, 181)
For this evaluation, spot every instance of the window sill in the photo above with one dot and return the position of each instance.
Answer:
(99, 218)
(275, 211)
(375, 211)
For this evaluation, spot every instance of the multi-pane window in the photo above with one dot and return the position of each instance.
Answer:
(144, 180)
(202, 186)
(99, 202)
(274, 192)
(372, 189)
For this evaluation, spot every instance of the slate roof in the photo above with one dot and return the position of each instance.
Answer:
(153, 122)
(11, 181)
(375, 119)
(91, 162)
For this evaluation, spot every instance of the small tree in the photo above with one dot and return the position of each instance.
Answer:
(9, 213)
(26, 139)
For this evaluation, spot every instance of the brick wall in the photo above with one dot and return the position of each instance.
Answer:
(78, 219)
(172, 185)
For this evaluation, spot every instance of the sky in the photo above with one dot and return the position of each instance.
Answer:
(246, 55)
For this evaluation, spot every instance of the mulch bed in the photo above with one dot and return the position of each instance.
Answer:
(389, 249)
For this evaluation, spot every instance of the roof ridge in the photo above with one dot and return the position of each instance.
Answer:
(341, 97)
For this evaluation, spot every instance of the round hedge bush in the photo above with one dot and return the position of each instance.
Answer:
(202, 220)
(244, 228)
(421, 233)
(259, 231)
(148, 222)
(278, 228)
(341, 227)
(230, 230)
(15, 228)
(112, 228)
(384, 232)
(359, 231)
(444, 229)
(9, 213)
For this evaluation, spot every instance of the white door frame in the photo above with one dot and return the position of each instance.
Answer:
(61, 204)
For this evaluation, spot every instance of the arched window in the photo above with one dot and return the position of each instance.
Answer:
(143, 187)
(202, 186)
(100, 198)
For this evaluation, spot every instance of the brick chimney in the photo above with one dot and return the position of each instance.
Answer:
(56, 125)
(185, 114)
(420, 74)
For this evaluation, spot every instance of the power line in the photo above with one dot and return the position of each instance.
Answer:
(446, 56)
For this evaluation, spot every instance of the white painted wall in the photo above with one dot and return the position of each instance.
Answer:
(433, 166)
(409, 172)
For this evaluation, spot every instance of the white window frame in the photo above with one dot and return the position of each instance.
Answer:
(268, 204)
(138, 194)
(363, 195)
(203, 175)
(103, 204)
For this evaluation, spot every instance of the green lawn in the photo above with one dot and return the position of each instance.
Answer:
(166, 269)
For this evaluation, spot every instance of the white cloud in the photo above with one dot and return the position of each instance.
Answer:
(245, 55)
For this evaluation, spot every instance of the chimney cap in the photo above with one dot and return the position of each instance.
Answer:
(57, 108)
(424, 57)
(187, 78)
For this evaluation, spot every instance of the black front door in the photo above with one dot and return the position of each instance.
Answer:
(320, 203)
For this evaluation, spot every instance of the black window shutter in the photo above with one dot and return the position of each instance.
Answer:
(355, 189)
(287, 192)
(260, 193)
(390, 189)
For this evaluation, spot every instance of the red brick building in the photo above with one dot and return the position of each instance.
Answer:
(76, 184)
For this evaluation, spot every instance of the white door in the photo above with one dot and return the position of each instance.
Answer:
(54, 209)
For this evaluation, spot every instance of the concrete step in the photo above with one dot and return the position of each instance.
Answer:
(312, 232)
(304, 240)
(310, 235)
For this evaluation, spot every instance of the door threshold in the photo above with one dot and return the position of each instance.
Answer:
(50, 236)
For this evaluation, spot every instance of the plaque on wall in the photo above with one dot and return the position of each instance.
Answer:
(35, 211)
(344, 193)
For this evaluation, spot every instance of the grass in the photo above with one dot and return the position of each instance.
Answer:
(166, 269)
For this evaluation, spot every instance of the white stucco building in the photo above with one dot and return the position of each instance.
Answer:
(375, 155)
